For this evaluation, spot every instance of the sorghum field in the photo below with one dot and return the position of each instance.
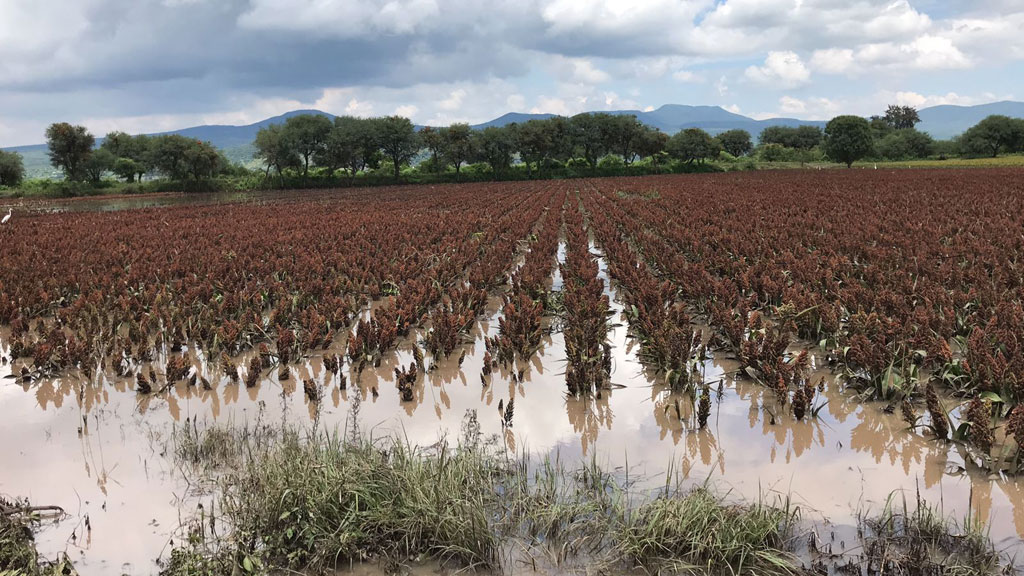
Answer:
(840, 339)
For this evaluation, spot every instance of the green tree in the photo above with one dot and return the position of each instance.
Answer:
(351, 145)
(307, 134)
(496, 146)
(799, 137)
(202, 160)
(126, 168)
(624, 134)
(458, 145)
(907, 143)
(12, 168)
(653, 145)
(98, 163)
(275, 150)
(434, 141)
(590, 135)
(69, 147)
(397, 139)
(992, 135)
(848, 139)
(126, 147)
(693, 145)
(736, 142)
(901, 117)
(880, 127)
(167, 155)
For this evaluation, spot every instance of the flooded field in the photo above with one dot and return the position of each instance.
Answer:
(94, 442)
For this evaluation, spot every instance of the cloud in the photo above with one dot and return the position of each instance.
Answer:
(780, 70)
(343, 18)
(151, 64)
(922, 101)
(722, 86)
(581, 70)
(809, 108)
(687, 76)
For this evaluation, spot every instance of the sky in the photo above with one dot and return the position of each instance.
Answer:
(156, 65)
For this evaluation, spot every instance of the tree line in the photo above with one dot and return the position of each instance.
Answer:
(314, 145)
(351, 145)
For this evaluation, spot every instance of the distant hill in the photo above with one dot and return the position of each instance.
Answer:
(511, 118)
(941, 122)
(944, 122)
(672, 118)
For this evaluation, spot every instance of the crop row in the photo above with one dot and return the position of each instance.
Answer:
(906, 283)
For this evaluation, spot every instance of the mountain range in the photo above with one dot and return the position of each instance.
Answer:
(942, 122)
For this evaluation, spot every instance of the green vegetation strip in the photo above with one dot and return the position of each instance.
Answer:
(314, 501)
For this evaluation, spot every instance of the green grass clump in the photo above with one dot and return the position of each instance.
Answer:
(319, 501)
(324, 501)
(924, 541)
(698, 532)
(18, 555)
(313, 502)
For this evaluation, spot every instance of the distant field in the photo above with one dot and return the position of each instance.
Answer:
(1007, 160)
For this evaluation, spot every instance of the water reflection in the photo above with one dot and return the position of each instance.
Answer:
(98, 442)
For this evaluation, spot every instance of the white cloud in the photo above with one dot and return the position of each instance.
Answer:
(344, 18)
(722, 86)
(407, 110)
(548, 105)
(359, 108)
(922, 101)
(454, 100)
(780, 70)
(809, 108)
(580, 70)
(833, 61)
(687, 76)
(515, 102)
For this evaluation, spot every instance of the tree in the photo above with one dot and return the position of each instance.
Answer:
(132, 149)
(904, 144)
(435, 143)
(398, 140)
(351, 145)
(12, 168)
(307, 134)
(181, 158)
(653, 145)
(880, 127)
(800, 137)
(458, 146)
(496, 145)
(126, 168)
(202, 160)
(98, 163)
(589, 133)
(994, 134)
(69, 147)
(736, 142)
(623, 134)
(693, 145)
(275, 149)
(848, 139)
(901, 117)
(167, 155)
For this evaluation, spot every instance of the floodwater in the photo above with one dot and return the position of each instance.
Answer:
(101, 451)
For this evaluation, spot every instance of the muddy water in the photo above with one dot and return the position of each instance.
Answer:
(101, 451)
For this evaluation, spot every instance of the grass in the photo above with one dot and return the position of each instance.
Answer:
(315, 501)
(18, 555)
(924, 541)
(1002, 160)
